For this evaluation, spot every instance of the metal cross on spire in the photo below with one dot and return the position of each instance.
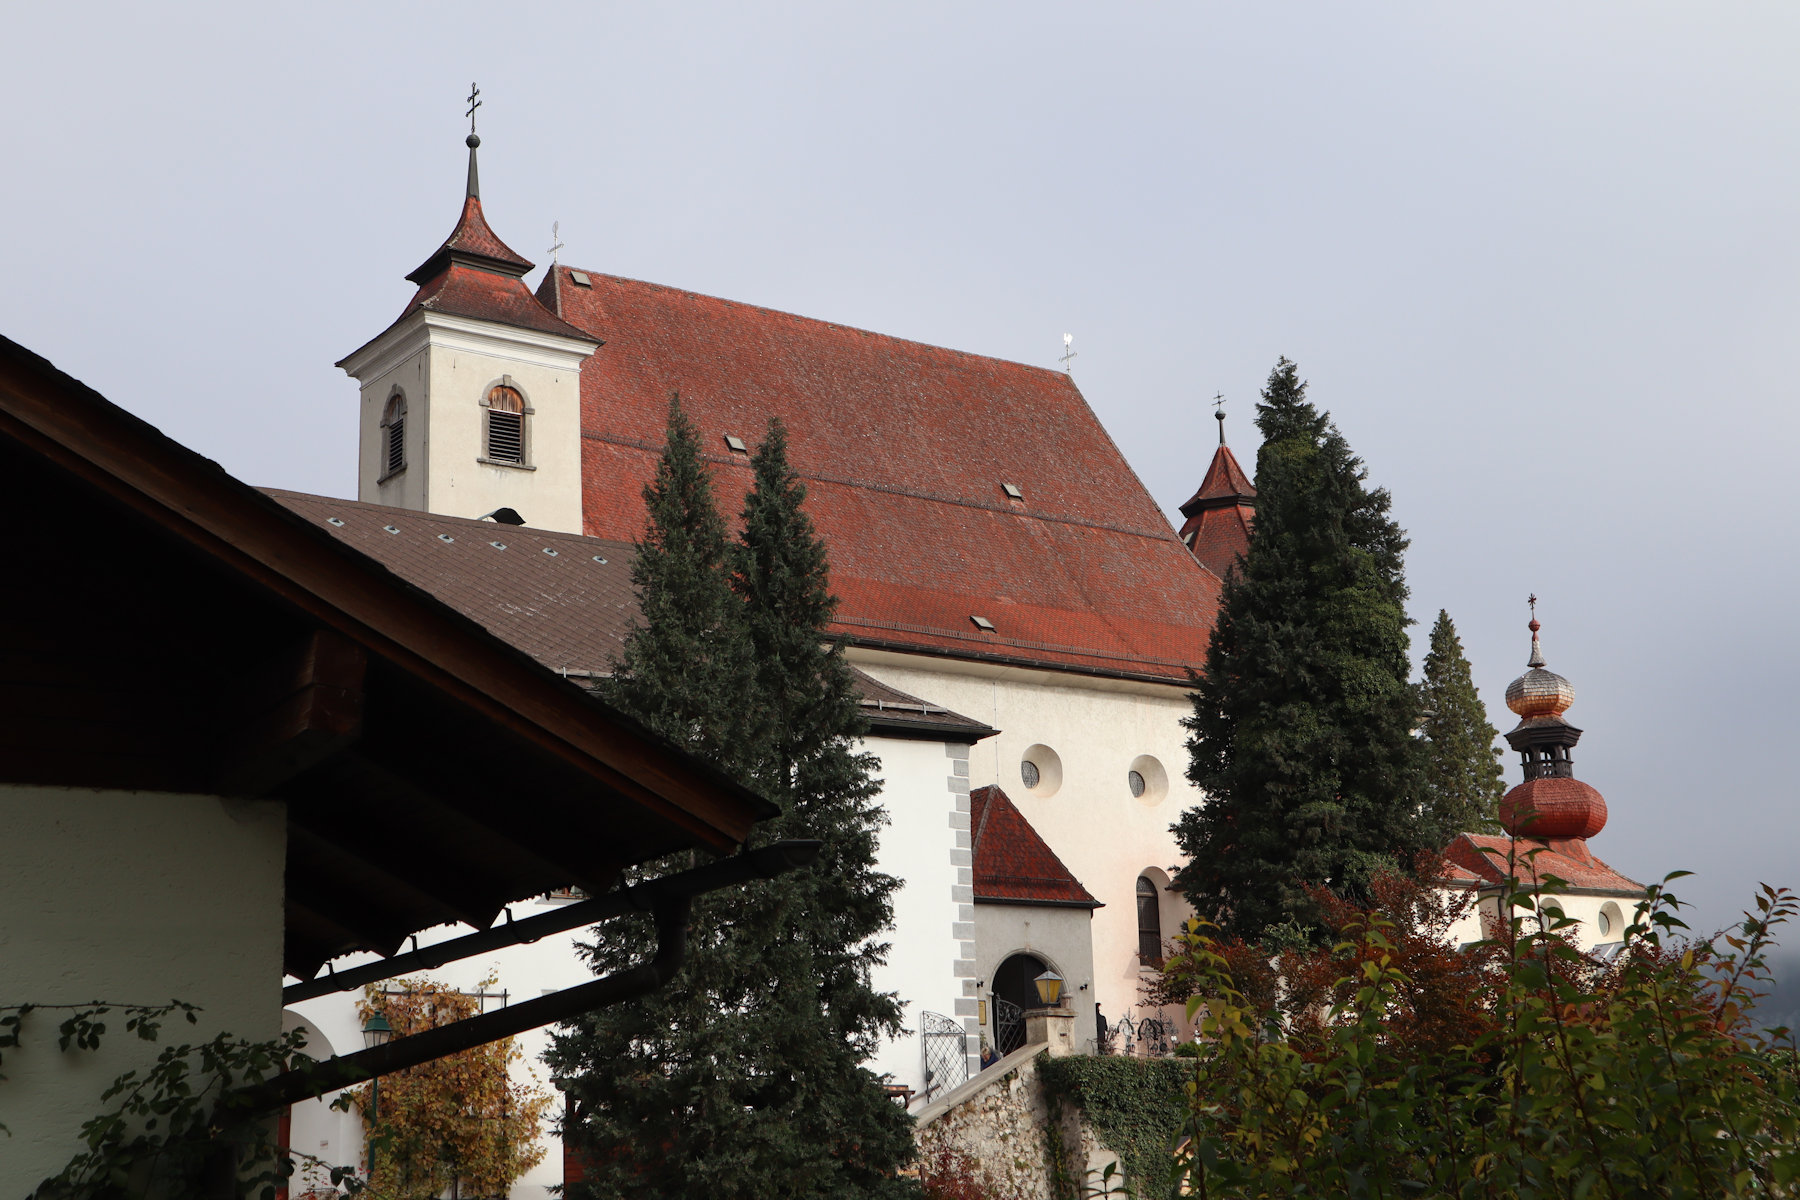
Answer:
(473, 105)
(1068, 353)
(1532, 601)
(555, 240)
(1219, 412)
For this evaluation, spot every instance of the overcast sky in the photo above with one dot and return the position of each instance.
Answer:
(1540, 261)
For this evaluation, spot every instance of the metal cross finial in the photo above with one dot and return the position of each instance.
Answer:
(1219, 412)
(556, 239)
(473, 105)
(1068, 353)
(1532, 600)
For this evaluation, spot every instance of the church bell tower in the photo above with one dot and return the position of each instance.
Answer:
(471, 400)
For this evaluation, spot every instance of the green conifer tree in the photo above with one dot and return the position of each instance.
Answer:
(742, 1078)
(686, 670)
(1463, 779)
(1302, 734)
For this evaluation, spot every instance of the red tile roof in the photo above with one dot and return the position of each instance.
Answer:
(1012, 863)
(1220, 513)
(1485, 855)
(463, 291)
(905, 449)
(472, 238)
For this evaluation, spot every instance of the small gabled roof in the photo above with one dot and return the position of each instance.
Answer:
(1013, 865)
(1485, 856)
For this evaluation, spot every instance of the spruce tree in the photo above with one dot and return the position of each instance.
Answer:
(1463, 779)
(685, 670)
(742, 1077)
(1302, 730)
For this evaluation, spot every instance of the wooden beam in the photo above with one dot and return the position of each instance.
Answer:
(303, 708)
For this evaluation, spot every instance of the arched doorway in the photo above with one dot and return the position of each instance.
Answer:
(1014, 990)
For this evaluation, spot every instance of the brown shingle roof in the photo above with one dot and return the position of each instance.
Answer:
(1013, 865)
(550, 595)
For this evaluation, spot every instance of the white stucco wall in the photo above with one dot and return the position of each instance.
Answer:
(1098, 729)
(1601, 916)
(1062, 937)
(933, 910)
(131, 897)
(446, 366)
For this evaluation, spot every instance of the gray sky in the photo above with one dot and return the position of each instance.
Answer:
(1539, 260)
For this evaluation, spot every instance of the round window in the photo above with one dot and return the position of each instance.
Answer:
(1605, 923)
(1028, 771)
(1136, 780)
(1041, 769)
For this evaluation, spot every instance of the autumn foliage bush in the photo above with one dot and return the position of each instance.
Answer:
(1393, 1064)
(456, 1122)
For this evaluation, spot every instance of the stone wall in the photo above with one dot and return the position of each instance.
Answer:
(1008, 1132)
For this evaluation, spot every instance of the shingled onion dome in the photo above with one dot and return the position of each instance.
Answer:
(1551, 803)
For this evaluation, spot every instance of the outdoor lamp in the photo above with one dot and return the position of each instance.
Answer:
(377, 1031)
(1049, 988)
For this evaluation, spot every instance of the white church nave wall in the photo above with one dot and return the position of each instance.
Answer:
(1106, 836)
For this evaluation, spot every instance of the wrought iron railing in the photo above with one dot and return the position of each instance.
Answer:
(1009, 1025)
(944, 1049)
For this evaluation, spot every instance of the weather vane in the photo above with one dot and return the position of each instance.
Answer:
(555, 239)
(473, 105)
(1068, 353)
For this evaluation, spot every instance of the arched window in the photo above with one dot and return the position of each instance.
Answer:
(505, 425)
(1149, 921)
(393, 420)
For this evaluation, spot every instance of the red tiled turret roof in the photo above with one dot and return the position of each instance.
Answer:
(1220, 513)
(472, 239)
(906, 451)
(1012, 863)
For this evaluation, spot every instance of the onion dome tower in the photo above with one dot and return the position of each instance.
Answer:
(1218, 516)
(1551, 803)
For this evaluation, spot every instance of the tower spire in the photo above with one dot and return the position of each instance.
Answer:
(1551, 803)
(473, 142)
(1219, 412)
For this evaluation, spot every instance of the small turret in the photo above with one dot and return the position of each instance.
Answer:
(1551, 803)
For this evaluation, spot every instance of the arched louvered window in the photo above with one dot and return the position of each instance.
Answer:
(1149, 921)
(505, 425)
(393, 424)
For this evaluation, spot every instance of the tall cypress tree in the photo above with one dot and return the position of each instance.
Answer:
(1302, 730)
(1463, 779)
(742, 1077)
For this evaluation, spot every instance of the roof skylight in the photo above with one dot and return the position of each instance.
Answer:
(983, 624)
(736, 443)
(1012, 490)
(580, 278)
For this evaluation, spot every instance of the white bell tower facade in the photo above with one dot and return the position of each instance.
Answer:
(471, 401)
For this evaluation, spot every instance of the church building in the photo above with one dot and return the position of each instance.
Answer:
(1021, 614)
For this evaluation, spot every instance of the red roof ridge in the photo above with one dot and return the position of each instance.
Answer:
(1012, 863)
(782, 312)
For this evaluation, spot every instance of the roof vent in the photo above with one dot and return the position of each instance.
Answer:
(390, 529)
(445, 538)
(504, 516)
(550, 552)
(498, 545)
(983, 624)
(338, 521)
(580, 279)
(736, 443)
(599, 560)
(1012, 491)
